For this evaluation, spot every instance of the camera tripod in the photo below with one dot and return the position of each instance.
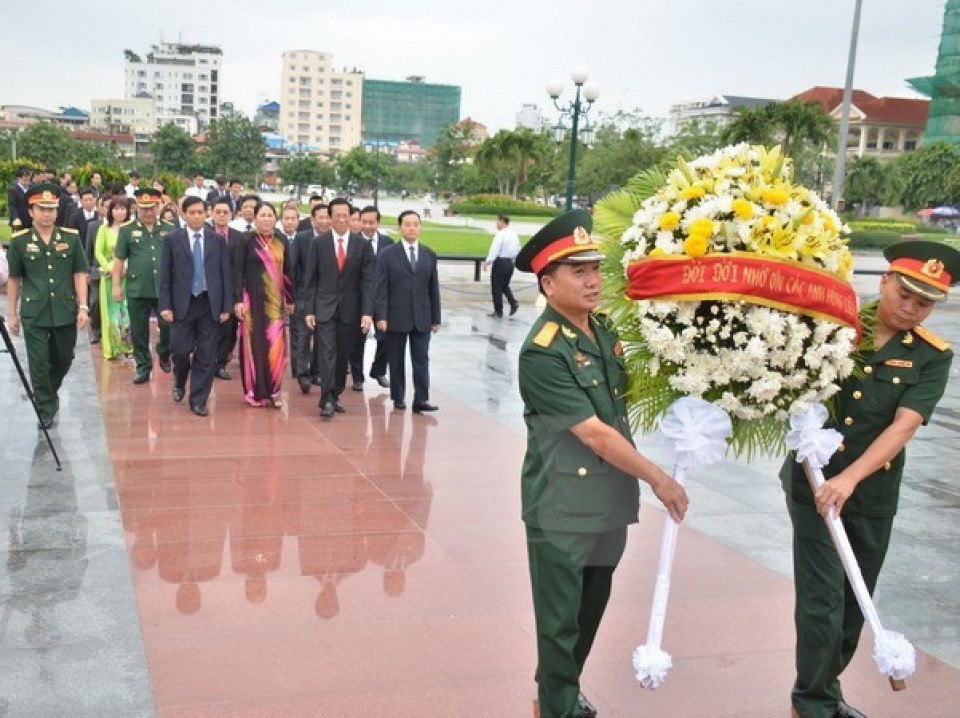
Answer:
(12, 350)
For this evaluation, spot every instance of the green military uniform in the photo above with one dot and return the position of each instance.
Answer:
(48, 308)
(910, 371)
(576, 507)
(141, 248)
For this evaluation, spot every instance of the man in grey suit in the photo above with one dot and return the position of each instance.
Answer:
(338, 301)
(408, 307)
(195, 296)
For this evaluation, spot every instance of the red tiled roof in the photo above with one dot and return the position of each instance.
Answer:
(892, 110)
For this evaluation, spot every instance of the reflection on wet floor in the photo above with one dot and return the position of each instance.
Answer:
(263, 563)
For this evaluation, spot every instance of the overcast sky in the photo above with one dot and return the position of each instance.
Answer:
(643, 54)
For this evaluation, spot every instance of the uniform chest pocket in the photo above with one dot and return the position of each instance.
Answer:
(589, 376)
(888, 385)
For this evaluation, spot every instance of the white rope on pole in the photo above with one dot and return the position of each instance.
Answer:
(893, 653)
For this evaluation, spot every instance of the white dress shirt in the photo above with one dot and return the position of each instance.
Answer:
(505, 244)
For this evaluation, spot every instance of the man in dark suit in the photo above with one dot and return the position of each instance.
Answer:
(408, 307)
(370, 233)
(306, 224)
(17, 201)
(195, 296)
(340, 273)
(304, 357)
(81, 219)
(227, 331)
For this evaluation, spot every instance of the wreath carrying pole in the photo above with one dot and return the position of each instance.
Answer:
(697, 432)
(894, 655)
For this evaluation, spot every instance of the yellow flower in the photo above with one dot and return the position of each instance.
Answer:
(846, 263)
(702, 226)
(693, 192)
(670, 221)
(696, 245)
(774, 196)
(783, 238)
(742, 209)
(656, 252)
(811, 246)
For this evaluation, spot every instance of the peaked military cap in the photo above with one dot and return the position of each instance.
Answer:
(924, 267)
(565, 240)
(45, 194)
(147, 196)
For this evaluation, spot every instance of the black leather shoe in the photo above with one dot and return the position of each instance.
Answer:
(846, 711)
(142, 377)
(304, 385)
(222, 373)
(177, 394)
(496, 315)
(326, 411)
(514, 308)
(399, 405)
(382, 381)
(338, 407)
(422, 408)
(199, 409)
(165, 365)
(358, 385)
(586, 707)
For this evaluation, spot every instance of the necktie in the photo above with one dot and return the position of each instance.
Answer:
(413, 259)
(341, 255)
(249, 226)
(197, 287)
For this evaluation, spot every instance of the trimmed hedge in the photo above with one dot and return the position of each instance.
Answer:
(516, 210)
(874, 238)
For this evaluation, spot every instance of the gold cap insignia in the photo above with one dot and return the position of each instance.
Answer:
(933, 268)
(581, 236)
(47, 196)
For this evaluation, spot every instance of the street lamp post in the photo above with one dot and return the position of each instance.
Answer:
(575, 110)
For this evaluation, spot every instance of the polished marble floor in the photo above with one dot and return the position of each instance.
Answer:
(262, 563)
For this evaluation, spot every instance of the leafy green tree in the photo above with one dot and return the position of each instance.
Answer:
(450, 154)
(924, 175)
(235, 148)
(510, 157)
(696, 138)
(866, 183)
(626, 143)
(755, 125)
(414, 177)
(46, 144)
(173, 149)
(356, 168)
(794, 125)
(306, 170)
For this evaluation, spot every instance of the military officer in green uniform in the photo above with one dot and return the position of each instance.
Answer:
(48, 279)
(139, 243)
(579, 477)
(903, 370)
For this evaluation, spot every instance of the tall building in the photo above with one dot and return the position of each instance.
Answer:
(532, 118)
(319, 107)
(412, 110)
(137, 115)
(184, 81)
(943, 87)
